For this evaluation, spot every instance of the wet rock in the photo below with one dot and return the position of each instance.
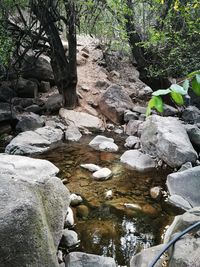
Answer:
(75, 200)
(72, 133)
(91, 167)
(156, 192)
(69, 239)
(136, 160)
(5, 112)
(191, 114)
(54, 103)
(98, 140)
(69, 219)
(34, 142)
(114, 102)
(29, 122)
(108, 146)
(131, 141)
(102, 174)
(130, 115)
(80, 119)
(194, 134)
(144, 258)
(166, 138)
(82, 211)
(32, 203)
(186, 184)
(79, 259)
(132, 127)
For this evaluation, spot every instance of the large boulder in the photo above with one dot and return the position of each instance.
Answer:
(79, 259)
(166, 138)
(186, 185)
(114, 102)
(33, 206)
(80, 119)
(34, 142)
(138, 161)
(29, 122)
(39, 69)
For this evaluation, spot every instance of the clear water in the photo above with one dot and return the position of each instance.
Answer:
(107, 227)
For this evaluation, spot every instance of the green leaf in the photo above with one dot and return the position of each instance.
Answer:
(161, 92)
(155, 102)
(186, 85)
(198, 78)
(178, 99)
(178, 89)
(196, 85)
(192, 74)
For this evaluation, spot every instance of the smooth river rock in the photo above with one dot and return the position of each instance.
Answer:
(166, 138)
(33, 206)
(138, 161)
(103, 143)
(102, 174)
(35, 142)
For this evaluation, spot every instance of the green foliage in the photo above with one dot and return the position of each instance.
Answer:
(176, 92)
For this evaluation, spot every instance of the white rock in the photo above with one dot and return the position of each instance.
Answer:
(95, 143)
(72, 133)
(108, 194)
(131, 141)
(69, 238)
(102, 174)
(69, 220)
(108, 146)
(132, 206)
(75, 199)
(91, 167)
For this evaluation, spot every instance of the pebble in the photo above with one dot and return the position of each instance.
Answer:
(69, 220)
(75, 200)
(108, 194)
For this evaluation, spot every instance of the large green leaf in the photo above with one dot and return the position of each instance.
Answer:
(196, 85)
(155, 102)
(186, 85)
(161, 92)
(192, 74)
(178, 99)
(178, 89)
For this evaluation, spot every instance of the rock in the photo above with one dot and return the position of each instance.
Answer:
(102, 174)
(169, 110)
(131, 141)
(91, 167)
(130, 115)
(191, 114)
(44, 87)
(156, 192)
(5, 112)
(69, 239)
(34, 108)
(144, 258)
(72, 133)
(115, 73)
(108, 146)
(179, 201)
(6, 94)
(75, 200)
(114, 102)
(145, 91)
(34, 142)
(54, 103)
(39, 69)
(60, 256)
(186, 250)
(79, 259)
(82, 211)
(108, 194)
(69, 220)
(102, 84)
(166, 138)
(80, 119)
(185, 166)
(194, 134)
(85, 88)
(98, 140)
(25, 88)
(139, 109)
(132, 127)
(118, 131)
(138, 161)
(29, 122)
(26, 102)
(185, 184)
(33, 206)
(132, 206)
(81, 61)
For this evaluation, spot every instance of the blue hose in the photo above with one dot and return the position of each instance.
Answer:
(172, 242)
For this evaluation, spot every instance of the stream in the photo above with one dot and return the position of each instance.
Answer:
(107, 227)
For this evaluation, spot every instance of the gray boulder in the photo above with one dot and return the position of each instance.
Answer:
(191, 114)
(185, 184)
(132, 141)
(29, 122)
(130, 115)
(5, 112)
(33, 205)
(69, 239)
(34, 142)
(54, 103)
(138, 161)
(72, 133)
(79, 259)
(114, 102)
(194, 134)
(166, 138)
(132, 127)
